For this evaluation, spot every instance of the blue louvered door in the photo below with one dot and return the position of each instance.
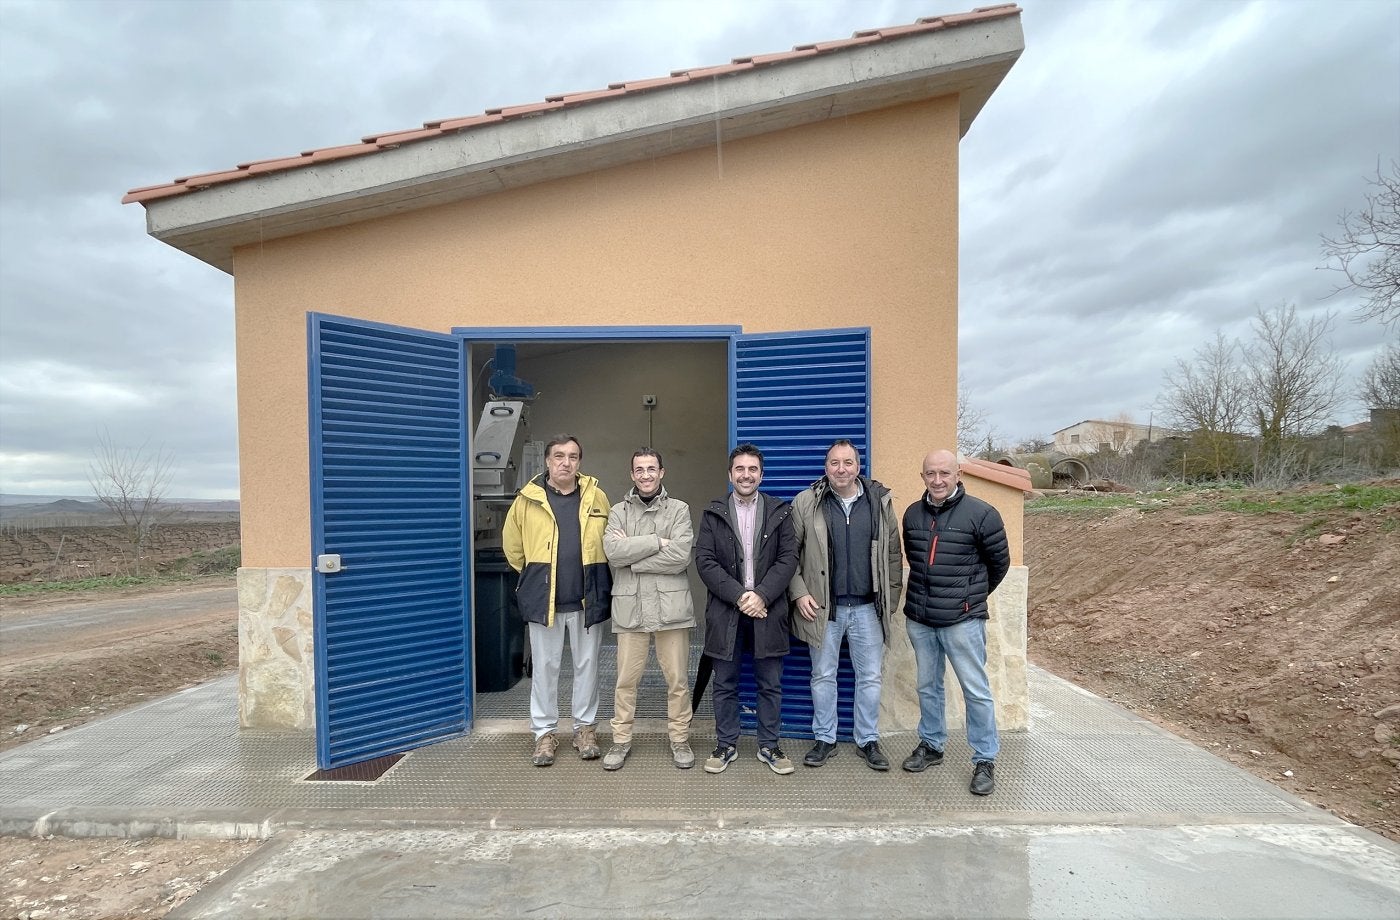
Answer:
(390, 497)
(793, 393)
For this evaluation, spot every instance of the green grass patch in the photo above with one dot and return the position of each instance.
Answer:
(184, 571)
(97, 585)
(1350, 497)
(1089, 502)
(223, 561)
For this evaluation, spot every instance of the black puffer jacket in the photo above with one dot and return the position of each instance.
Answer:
(720, 562)
(957, 555)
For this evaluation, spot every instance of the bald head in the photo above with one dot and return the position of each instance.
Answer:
(940, 475)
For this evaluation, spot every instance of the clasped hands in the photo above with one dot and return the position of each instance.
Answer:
(750, 604)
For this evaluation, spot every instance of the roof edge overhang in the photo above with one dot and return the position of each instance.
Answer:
(969, 61)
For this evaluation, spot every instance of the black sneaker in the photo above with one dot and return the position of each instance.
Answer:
(871, 754)
(983, 782)
(820, 753)
(924, 756)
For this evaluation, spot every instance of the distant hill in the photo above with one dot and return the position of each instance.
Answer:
(72, 511)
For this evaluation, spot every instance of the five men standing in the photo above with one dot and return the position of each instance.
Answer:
(847, 584)
(833, 551)
(648, 544)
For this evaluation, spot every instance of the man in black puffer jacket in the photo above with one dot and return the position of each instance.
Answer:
(957, 552)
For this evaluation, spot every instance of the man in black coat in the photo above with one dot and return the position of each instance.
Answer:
(746, 553)
(958, 554)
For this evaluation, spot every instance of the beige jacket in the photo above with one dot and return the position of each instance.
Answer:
(650, 590)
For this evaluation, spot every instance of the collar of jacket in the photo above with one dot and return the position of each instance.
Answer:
(766, 504)
(534, 489)
(958, 493)
(636, 499)
(872, 487)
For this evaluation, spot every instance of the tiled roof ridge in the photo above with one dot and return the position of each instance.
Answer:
(389, 140)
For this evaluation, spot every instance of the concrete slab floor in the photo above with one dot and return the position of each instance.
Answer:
(1032, 872)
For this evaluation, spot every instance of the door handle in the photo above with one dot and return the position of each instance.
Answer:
(327, 563)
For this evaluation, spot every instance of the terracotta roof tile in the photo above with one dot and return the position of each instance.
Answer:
(587, 96)
(456, 124)
(393, 138)
(211, 178)
(1010, 476)
(530, 109)
(374, 143)
(847, 42)
(337, 153)
(719, 69)
(760, 59)
(633, 86)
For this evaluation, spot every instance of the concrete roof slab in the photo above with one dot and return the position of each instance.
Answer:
(464, 158)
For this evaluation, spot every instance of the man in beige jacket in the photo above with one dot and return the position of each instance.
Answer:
(648, 543)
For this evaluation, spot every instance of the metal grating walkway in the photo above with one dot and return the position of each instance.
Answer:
(181, 766)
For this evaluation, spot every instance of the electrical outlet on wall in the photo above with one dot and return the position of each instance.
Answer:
(649, 401)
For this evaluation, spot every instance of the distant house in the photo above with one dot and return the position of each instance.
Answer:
(1093, 435)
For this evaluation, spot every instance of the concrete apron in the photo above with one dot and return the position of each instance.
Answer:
(926, 872)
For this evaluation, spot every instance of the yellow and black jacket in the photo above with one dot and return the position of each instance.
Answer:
(530, 541)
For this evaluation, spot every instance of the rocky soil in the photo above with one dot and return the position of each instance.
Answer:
(1272, 638)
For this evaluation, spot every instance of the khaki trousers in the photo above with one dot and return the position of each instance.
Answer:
(673, 654)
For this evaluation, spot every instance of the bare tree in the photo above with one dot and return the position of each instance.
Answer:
(1367, 248)
(1379, 387)
(131, 483)
(1208, 398)
(1293, 377)
(971, 421)
(1035, 444)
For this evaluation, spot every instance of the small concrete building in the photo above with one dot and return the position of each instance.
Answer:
(762, 250)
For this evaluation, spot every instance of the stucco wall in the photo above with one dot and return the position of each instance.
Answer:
(850, 222)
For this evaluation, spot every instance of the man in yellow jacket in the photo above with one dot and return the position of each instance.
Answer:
(553, 537)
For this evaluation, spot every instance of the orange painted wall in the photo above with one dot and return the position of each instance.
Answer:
(850, 222)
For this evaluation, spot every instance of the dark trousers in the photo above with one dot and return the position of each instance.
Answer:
(768, 675)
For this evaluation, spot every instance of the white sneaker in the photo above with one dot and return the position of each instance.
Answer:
(682, 755)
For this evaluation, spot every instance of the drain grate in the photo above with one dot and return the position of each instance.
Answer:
(367, 771)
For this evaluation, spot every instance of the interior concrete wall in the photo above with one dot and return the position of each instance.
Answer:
(594, 391)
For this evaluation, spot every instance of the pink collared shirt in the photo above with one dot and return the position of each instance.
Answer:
(746, 517)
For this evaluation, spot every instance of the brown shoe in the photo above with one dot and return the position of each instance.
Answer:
(586, 743)
(544, 750)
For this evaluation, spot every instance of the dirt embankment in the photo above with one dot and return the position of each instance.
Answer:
(1270, 638)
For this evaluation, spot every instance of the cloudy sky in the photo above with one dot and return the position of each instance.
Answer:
(1149, 172)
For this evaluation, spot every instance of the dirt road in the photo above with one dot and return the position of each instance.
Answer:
(36, 628)
(65, 660)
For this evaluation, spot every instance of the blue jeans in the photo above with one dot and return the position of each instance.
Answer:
(965, 647)
(861, 627)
